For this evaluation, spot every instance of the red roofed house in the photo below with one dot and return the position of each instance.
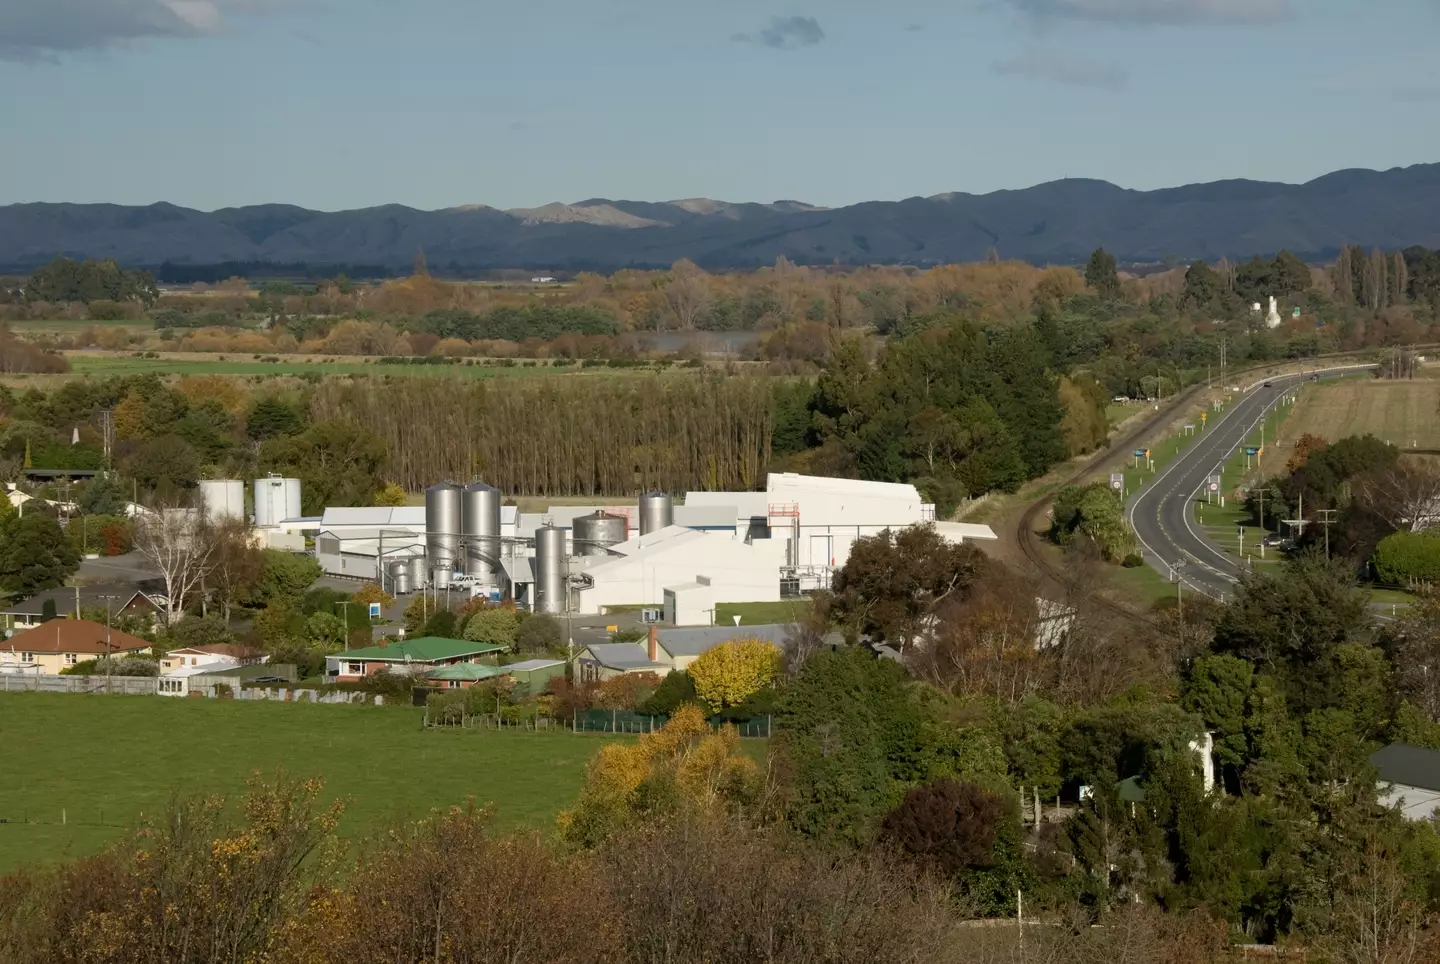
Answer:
(61, 643)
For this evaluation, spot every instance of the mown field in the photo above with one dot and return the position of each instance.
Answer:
(99, 763)
(1403, 413)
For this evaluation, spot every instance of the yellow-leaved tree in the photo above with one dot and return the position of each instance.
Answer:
(734, 671)
(391, 495)
(683, 766)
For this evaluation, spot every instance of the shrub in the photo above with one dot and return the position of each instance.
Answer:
(948, 824)
(1404, 558)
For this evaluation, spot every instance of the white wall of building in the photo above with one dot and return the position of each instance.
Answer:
(738, 571)
(1415, 803)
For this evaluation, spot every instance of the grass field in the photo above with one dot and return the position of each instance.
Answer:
(91, 364)
(1403, 413)
(107, 760)
(761, 614)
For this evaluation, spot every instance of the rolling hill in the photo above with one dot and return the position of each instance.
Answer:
(1058, 222)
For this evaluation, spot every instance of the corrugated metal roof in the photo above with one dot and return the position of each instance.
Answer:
(530, 665)
(405, 515)
(1411, 766)
(692, 641)
(425, 649)
(472, 672)
(624, 656)
(706, 516)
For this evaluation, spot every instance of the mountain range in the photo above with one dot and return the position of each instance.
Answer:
(1058, 222)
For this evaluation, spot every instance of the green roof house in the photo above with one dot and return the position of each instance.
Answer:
(462, 675)
(416, 657)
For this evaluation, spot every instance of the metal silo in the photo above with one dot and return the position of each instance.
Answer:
(399, 573)
(550, 565)
(223, 499)
(419, 573)
(593, 534)
(442, 530)
(276, 500)
(657, 510)
(480, 524)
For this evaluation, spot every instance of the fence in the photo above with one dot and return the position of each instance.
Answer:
(44, 683)
(148, 686)
(626, 721)
(455, 716)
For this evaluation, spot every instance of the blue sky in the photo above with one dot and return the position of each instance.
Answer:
(348, 103)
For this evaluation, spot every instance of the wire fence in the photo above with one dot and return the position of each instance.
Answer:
(583, 721)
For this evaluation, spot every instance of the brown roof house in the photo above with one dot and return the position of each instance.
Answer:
(61, 643)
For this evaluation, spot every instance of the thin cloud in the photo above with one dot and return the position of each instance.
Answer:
(1155, 13)
(914, 28)
(1058, 67)
(39, 30)
(785, 33)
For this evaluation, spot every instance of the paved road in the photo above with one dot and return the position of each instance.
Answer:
(1160, 513)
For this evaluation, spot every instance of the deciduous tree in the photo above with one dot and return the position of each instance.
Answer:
(729, 674)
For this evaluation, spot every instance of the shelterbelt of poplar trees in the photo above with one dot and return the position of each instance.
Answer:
(566, 438)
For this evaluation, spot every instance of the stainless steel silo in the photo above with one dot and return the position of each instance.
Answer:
(402, 583)
(395, 570)
(442, 529)
(595, 533)
(657, 510)
(550, 564)
(480, 524)
(419, 572)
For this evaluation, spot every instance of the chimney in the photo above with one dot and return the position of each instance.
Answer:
(384, 642)
(653, 645)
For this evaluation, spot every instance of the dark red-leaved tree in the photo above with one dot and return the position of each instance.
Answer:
(948, 824)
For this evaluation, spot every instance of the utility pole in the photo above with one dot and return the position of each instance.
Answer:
(345, 605)
(109, 662)
(1327, 520)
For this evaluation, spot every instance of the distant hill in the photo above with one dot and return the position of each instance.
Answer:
(1058, 222)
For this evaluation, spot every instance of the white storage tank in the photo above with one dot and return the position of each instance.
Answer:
(223, 499)
(276, 500)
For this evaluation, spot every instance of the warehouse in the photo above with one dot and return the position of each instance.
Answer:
(356, 553)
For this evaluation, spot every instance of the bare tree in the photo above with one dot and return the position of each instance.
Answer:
(238, 564)
(1376, 915)
(687, 294)
(180, 542)
(1406, 496)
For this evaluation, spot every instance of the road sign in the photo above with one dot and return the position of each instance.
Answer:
(1117, 481)
(375, 610)
(1214, 486)
(1141, 453)
(1204, 416)
(1252, 450)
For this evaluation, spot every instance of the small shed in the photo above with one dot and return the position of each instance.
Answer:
(534, 675)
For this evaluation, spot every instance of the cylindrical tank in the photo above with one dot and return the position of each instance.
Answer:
(480, 523)
(419, 573)
(401, 586)
(440, 578)
(276, 500)
(550, 570)
(657, 510)
(593, 534)
(394, 569)
(442, 529)
(223, 499)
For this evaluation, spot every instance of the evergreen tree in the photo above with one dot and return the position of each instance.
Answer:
(1101, 274)
(36, 556)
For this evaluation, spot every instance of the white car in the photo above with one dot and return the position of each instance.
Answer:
(463, 581)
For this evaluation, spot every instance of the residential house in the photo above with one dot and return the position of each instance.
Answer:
(413, 656)
(215, 654)
(462, 675)
(62, 643)
(119, 600)
(1409, 778)
(666, 649)
(204, 679)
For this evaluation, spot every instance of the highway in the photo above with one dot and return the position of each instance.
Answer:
(1160, 512)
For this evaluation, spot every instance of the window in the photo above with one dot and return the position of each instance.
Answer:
(453, 684)
(354, 669)
(71, 659)
(27, 657)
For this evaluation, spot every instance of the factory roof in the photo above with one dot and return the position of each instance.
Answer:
(965, 531)
(623, 656)
(706, 516)
(856, 487)
(692, 641)
(380, 515)
(520, 570)
(1410, 766)
(747, 504)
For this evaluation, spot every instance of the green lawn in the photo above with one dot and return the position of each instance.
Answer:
(105, 761)
(1142, 586)
(760, 614)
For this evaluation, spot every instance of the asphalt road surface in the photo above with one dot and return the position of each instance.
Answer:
(1161, 515)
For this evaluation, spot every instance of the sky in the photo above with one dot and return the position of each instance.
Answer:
(336, 104)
